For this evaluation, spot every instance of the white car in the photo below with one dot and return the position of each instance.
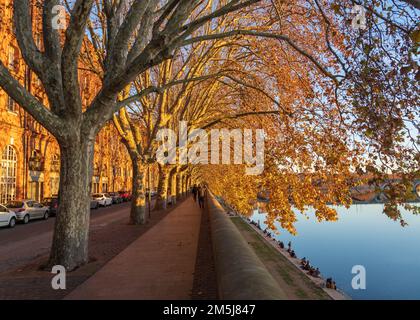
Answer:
(7, 217)
(103, 199)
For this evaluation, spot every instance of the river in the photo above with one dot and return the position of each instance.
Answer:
(363, 235)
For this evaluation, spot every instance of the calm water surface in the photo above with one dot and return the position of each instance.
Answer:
(362, 236)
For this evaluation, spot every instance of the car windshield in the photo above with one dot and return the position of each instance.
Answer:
(97, 195)
(14, 204)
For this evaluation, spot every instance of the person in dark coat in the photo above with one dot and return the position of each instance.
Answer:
(195, 192)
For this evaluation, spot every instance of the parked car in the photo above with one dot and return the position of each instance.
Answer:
(94, 204)
(103, 199)
(27, 210)
(125, 195)
(52, 204)
(7, 217)
(153, 193)
(116, 198)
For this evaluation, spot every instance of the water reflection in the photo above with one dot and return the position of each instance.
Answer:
(363, 235)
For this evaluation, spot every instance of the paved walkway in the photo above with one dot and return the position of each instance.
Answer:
(159, 265)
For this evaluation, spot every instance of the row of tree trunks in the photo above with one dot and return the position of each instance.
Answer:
(172, 183)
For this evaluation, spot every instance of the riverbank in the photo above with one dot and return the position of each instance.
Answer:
(286, 270)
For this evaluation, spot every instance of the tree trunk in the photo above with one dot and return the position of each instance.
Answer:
(71, 231)
(186, 185)
(172, 187)
(183, 185)
(138, 201)
(162, 197)
(178, 185)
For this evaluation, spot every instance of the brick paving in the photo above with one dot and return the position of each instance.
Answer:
(159, 265)
(205, 280)
(29, 282)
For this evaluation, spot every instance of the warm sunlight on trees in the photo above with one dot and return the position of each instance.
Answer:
(338, 101)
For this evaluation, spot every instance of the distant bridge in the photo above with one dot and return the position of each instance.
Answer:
(377, 194)
(364, 193)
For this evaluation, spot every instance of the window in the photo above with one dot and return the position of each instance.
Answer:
(54, 185)
(13, 61)
(55, 163)
(117, 172)
(8, 169)
(95, 187)
(11, 104)
(36, 191)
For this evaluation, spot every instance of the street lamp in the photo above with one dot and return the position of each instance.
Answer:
(149, 160)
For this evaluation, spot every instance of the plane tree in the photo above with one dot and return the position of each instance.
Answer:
(129, 37)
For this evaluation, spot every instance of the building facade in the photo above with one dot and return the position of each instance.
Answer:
(29, 154)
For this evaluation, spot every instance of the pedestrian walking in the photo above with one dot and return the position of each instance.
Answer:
(195, 192)
(201, 196)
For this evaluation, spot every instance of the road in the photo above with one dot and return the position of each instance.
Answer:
(22, 244)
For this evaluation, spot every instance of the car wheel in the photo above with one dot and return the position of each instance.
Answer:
(26, 219)
(46, 215)
(12, 223)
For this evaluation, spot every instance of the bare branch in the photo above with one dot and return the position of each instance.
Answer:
(240, 115)
(51, 36)
(24, 35)
(35, 108)
(234, 33)
(155, 89)
(70, 55)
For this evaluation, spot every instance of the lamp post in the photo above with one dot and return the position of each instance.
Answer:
(149, 196)
(149, 191)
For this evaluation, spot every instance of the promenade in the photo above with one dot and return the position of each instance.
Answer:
(158, 265)
(170, 262)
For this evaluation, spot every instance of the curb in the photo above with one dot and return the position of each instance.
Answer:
(240, 273)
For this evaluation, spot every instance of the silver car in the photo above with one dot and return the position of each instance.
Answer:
(28, 210)
(7, 217)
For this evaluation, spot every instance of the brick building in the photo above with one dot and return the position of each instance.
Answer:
(29, 154)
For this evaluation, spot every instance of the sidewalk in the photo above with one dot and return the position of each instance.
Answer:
(158, 265)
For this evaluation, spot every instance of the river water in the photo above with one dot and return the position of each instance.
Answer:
(364, 236)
